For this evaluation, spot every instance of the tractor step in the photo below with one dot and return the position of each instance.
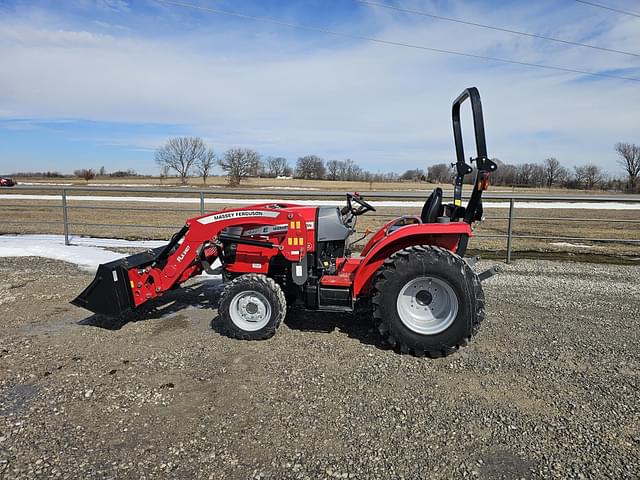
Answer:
(335, 299)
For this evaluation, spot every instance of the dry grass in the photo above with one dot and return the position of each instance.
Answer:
(219, 182)
(155, 223)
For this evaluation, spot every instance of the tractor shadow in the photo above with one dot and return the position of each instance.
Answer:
(204, 294)
(356, 325)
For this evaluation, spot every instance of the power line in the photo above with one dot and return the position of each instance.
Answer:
(300, 26)
(491, 27)
(617, 10)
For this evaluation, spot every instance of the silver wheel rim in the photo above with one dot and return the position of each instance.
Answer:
(427, 305)
(250, 310)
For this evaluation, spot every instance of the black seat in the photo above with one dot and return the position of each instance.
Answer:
(432, 208)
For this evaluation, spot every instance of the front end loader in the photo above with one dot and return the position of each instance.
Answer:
(424, 298)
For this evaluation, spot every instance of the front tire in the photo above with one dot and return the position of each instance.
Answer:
(427, 301)
(252, 307)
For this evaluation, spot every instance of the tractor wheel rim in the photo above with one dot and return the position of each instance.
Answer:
(250, 310)
(427, 305)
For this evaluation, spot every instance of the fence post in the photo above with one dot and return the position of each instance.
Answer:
(64, 217)
(201, 203)
(510, 230)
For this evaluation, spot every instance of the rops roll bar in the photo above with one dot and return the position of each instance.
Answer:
(484, 166)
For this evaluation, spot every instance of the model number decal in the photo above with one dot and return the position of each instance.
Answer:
(183, 254)
(267, 229)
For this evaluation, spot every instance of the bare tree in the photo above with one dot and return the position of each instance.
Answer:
(164, 173)
(630, 162)
(588, 176)
(86, 173)
(579, 176)
(414, 175)
(594, 176)
(554, 173)
(181, 154)
(240, 163)
(277, 166)
(310, 167)
(348, 170)
(530, 174)
(439, 173)
(333, 169)
(205, 163)
(506, 174)
(254, 160)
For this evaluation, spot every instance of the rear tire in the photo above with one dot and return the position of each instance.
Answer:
(427, 301)
(252, 307)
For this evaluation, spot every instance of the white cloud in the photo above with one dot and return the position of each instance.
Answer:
(386, 107)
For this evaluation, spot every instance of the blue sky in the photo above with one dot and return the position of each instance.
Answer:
(92, 83)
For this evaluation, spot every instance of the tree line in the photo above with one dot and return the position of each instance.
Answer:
(186, 155)
(84, 173)
(551, 173)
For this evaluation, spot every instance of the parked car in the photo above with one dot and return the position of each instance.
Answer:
(7, 182)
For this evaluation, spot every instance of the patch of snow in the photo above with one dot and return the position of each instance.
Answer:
(86, 252)
(567, 244)
(52, 246)
(100, 184)
(566, 205)
(383, 203)
(46, 183)
(157, 185)
(111, 242)
(288, 188)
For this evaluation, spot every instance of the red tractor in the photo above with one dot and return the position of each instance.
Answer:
(411, 276)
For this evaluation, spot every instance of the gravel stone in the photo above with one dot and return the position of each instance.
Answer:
(549, 388)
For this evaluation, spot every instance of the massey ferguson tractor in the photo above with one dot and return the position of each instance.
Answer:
(411, 276)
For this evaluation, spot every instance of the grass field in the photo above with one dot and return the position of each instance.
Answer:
(152, 221)
(219, 182)
(144, 220)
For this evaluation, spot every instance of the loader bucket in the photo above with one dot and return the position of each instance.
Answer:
(110, 292)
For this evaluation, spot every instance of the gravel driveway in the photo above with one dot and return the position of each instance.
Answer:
(548, 389)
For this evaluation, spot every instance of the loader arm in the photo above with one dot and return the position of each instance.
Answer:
(123, 285)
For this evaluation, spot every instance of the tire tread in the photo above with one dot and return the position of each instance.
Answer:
(229, 327)
(390, 268)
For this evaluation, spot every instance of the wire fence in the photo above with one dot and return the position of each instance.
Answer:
(88, 209)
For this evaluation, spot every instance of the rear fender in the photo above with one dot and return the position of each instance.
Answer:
(445, 235)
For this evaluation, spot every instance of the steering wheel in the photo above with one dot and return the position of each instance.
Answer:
(363, 207)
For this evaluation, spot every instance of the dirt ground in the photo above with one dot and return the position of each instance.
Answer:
(548, 389)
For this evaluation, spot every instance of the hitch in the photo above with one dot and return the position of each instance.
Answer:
(490, 272)
(471, 261)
